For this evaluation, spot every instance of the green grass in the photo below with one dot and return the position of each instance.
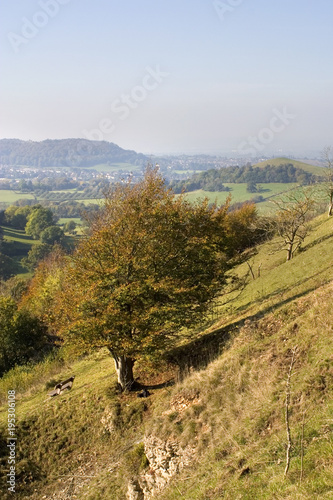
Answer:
(241, 430)
(10, 197)
(270, 191)
(73, 428)
(229, 416)
(18, 236)
(282, 281)
(63, 220)
(94, 201)
(239, 193)
(17, 245)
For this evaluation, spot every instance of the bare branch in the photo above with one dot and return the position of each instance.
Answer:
(287, 403)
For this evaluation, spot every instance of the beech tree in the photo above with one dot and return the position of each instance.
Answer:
(151, 265)
(43, 295)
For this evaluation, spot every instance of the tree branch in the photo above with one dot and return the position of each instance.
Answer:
(289, 443)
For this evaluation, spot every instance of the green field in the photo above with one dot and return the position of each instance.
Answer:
(63, 220)
(18, 236)
(9, 196)
(17, 245)
(239, 193)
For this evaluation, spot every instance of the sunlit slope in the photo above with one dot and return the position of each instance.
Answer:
(231, 415)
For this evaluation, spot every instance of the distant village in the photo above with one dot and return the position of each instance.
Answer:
(28, 178)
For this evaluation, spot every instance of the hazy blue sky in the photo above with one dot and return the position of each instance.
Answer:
(250, 76)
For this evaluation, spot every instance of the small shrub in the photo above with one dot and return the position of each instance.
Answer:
(136, 460)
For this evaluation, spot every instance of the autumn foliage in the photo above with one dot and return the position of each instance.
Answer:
(151, 264)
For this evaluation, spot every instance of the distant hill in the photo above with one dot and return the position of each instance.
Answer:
(66, 153)
(277, 170)
(275, 162)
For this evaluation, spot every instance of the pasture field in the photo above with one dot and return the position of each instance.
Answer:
(239, 193)
(63, 220)
(16, 245)
(9, 196)
(18, 236)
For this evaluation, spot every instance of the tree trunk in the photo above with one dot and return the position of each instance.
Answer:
(330, 208)
(124, 368)
(290, 251)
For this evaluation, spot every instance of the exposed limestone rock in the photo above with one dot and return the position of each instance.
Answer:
(180, 402)
(108, 420)
(134, 491)
(166, 459)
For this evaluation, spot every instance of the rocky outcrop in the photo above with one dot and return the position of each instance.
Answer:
(166, 459)
(134, 491)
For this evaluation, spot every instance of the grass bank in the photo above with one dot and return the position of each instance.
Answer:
(266, 366)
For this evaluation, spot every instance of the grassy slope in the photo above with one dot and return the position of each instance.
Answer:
(18, 236)
(239, 193)
(238, 421)
(18, 247)
(241, 424)
(313, 169)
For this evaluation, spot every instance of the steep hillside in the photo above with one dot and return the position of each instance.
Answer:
(243, 411)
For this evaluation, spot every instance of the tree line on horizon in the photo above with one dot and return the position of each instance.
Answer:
(66, 153)
(214, 179)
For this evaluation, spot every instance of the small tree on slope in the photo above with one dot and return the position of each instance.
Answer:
(291, 220)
